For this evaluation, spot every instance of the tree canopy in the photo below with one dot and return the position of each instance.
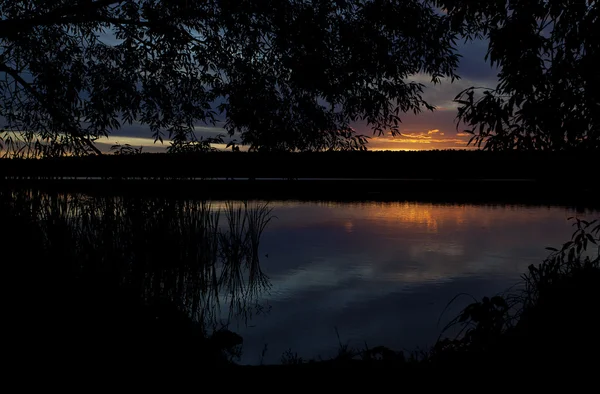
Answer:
(548, 94)
(286, 74)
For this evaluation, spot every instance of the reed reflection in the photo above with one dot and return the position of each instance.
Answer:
(202, 259)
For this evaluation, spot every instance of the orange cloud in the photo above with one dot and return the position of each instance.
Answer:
(414, 135)
(426, 141)
(414, 140)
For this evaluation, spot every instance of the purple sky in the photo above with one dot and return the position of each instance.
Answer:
(427, 130)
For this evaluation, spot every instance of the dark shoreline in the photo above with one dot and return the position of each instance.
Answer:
(450, 165)
(512, 177)
(464, 191)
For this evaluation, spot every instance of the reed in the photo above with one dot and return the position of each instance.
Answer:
(182, 251)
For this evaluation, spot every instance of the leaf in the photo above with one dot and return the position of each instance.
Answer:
(591, 239)
(567, 245)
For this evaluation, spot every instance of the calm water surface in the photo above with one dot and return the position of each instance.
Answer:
(382, 273)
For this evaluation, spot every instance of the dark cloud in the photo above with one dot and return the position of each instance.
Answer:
(472, 63)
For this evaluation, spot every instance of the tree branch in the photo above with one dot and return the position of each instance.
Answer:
(13, 73)
(27, 86)
(9, 26)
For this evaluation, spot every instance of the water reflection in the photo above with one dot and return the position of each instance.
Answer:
(378, 272)
(383, 272)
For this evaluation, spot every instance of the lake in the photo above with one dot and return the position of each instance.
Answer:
(383, 273)
(356, 273)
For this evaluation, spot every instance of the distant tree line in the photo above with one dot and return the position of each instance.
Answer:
(476, 164)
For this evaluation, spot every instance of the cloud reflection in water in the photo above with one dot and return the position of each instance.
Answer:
(383, 272)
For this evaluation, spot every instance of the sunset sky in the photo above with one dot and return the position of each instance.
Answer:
(427, 130)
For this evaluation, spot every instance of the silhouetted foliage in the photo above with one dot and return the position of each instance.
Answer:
(125, 149)
(202, 145)
(548, 91)
(287, 75)
(136, 276)
(552, 318)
